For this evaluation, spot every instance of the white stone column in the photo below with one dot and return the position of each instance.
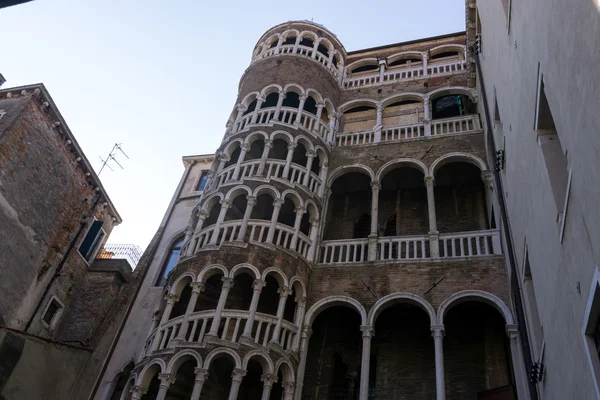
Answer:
(236, 381)
(250, 203)
(288, 390)
(434, 237)
(518, 363)
(277, 203)
(375, 187)
(137, 392)
(299, 213)
(288, 160)
(171, 299)
(305, 337)
(283, 294)
(425, 59)
(241, 109)
(320, 106)
(323, 178)
(367, 334)
(223, 158)
(268, 380)
(165, 382)
(259, 101)
(197, 287)
(300, 108)
(201, 375)
(437, 332)
(427, 116)
(257, 287)
(298, 318)
(215, 235)
(298, 40)
(202, 214)
(279, 104)
(310, 155)
(382, 66)
(236, 172)
(214, 327)
(314, 50)
(264, 156)
(313, 235)
(378, 124)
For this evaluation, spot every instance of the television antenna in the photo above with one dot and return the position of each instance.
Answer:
(111, 157)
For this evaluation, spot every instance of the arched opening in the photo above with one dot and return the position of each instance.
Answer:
(336, 60)
(263, 209)
(183, 386)
(452, 105)
(273, 43)
(218, 382)
(287, 213)
(403, 203)
(444, 55)
(255, 151)
(476, 354)
(315, 168)
(289, 311)
(277, 391)
(269, 297)
(240, 295)
(460, 198)
(359, 119)
(402, 342)
(151, 383)
(365, 68)
(334, 356)
(209, 297)
(299, 156)
(292, 99)
(279, 149)
(305, 223)
(405, 61)
(237, 209)
(180, 307)
(310, 105)
(252, 386)
(403, 112)
(323, 50)
(235, 155)
(350, 207)
(213, 215)
(271, 100)
(307, 42)
(290, 40)
(123, 383)
(251, 106)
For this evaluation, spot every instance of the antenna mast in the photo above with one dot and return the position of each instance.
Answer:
(111, 157)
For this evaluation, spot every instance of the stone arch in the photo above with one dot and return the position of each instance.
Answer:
(331, 301)
(269, 189)
(343, 170)
(446, 47)
(315, 95)
(287, 372)
(401, 297)
(452, 90)
(362, 62)
(212, 270)
(278, 274)
(265, 361)
(297, 279)
(294, 87)
(182, 357)
(149, 371)
(285, 136)
(312, 209)
(476, 295)
(235, 191)
(322, 154)
(249, 98)
(327, 44)
(211, 200)
(254, 136)
(357, 103)
(303, 140)
(182, 282)
(296, 198)
(245, 267)
(456, 156)
(402, 96)
(402, 55)
(391, 165)
(310, 35)
(272, 88)
(285, 34)
(231, 146)
(222, 350)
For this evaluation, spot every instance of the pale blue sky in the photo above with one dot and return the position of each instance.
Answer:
(161, 76)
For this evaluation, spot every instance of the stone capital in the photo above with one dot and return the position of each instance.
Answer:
(311, 153)
(197, 287)
(306, 332)
(429, 180)
(245, 147)
(241, 107)
(300, 300)
(201, 374)
(138, 389)
(225, 203)
(251, 200)
(277, 203)
(166, 379)
(171, 298)
(284, 291)
(289, 387)
(268, 379)
(227, 283)
(320, 104)
(303, 97)
(300, 210)
(367, 331)
(375, 185)
(437, 331)
(238, 374)
(258, 284)
(269, 143)
(512, 330)
(292, 146)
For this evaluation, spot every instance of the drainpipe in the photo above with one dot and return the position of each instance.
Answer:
(514, 280)
(62, 263)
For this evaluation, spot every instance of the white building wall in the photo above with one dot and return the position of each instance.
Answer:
(563, 38)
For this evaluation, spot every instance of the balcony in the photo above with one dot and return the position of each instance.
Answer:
(409, 248)
(436, 127)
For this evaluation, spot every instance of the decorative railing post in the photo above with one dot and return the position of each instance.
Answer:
(214, 327)
(378, 124)
(201, 375)
(197, 287)
(257, 286)
(437, 332)
(283, 294)
(367, 335)
(320, 106)
(277, 203)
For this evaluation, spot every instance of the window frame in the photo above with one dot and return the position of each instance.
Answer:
(203, 174)
(180, 237)
(56, 317)
(590, 320)
(101, 236)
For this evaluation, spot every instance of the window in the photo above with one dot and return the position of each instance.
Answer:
(52, 313)
(591, 329)
(552, 150)
(172, 258)
(92, 239)
(202, 181)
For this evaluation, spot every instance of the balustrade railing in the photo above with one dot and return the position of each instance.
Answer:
(230, 329)
(463, 244)
(446, 67)
(304, 51)
(461, 124)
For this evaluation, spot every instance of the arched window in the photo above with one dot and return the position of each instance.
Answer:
(172, 258)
